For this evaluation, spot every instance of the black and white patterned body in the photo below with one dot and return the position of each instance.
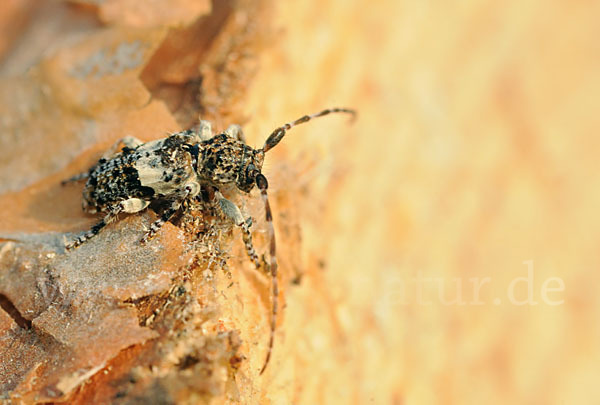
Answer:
(159, 169)
(224, 159)
(174, 169)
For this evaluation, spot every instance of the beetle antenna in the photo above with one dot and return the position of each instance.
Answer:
(262, 184)
(278, 134)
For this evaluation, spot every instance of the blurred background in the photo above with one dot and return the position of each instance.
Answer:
(440, 249)
(473, 163)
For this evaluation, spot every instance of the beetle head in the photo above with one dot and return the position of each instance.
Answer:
(250, 169)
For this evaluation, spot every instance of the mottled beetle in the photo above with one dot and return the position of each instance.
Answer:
(174, 169)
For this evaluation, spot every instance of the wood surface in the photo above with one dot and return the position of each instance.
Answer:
(441, 248)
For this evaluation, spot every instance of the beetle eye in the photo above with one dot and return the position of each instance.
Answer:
(251, 171)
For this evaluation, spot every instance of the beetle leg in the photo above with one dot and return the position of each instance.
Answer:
(235, 131)
(110, 216)
(204, 130)
(77, 177)
(191, 189)
(232, 212)
(129, 142)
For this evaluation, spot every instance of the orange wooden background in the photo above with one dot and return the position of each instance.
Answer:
(476, 150)
(474, 162)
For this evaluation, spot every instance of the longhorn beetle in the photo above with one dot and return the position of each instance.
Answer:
(173, 170)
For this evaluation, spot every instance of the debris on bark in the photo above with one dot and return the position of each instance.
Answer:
(115, 321)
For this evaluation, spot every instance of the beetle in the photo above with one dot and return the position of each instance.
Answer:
(173, 170)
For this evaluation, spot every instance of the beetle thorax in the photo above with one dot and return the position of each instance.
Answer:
(225, 160)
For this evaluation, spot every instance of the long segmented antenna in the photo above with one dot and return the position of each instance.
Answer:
(278, 134)
(263, 185)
